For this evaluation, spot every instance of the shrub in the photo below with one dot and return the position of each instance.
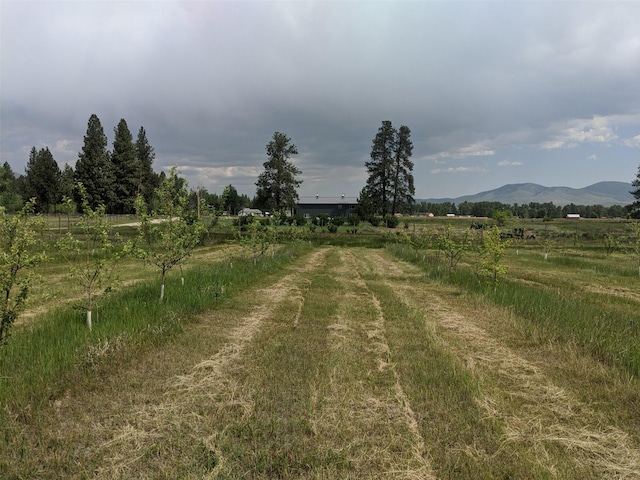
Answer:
(374, 221)
(337, 221)
(391, 221)
(332, 227)
(353, 219)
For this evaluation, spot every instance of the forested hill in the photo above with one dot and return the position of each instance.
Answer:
(602, 193)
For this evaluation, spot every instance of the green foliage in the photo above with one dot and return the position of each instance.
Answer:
(453, 247)
(231, 201)
(166, 237)
(276, 186)
(126, 169)
(390, 186)
(353, 220)
(94, 169)
(501, 216)
(338, 220)
(611, 243)
(332, 228)
(92, 254)
(492, 251)
(391, 221)
(635, 246)
(258, 237)
(149, 180)
(10, 199)
(321, 220)
(43, 178)
(635, 207)
(17, 242)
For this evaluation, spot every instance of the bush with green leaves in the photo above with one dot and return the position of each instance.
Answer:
(332, 227)
(453, 247)
(338, 220)
(321, 220)
(353, 220)
(92, 254)
(165, 237)
(391, 221)
(374, 221)
(17, 260)
(492, 251)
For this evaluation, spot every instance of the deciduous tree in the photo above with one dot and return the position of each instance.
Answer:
(43, 179)
(10, 199)
(277, 185)
(17, 239)
(165, 237)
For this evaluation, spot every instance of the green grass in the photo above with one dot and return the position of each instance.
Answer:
(554, 305)
(57, 346)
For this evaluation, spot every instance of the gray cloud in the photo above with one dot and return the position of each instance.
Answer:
(212, 81)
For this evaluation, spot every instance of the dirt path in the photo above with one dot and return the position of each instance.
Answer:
(197, 408)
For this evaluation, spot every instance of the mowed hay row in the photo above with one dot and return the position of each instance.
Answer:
(346, 365)
(562, 435)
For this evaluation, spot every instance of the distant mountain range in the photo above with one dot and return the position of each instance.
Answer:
(602, 193)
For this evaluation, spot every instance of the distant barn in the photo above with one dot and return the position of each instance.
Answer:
(340, 206)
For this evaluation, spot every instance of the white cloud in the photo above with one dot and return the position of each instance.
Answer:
(577, 131)
(633, 142)
(509, 163)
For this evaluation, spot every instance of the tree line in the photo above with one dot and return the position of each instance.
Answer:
(524, 210)
(116, 178)
(111, 178)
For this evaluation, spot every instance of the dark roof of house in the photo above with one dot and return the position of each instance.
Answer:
(318, 200)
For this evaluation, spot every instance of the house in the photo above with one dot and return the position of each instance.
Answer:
(250, 211)
(340, 206)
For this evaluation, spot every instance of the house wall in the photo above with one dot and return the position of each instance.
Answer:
(333, 210)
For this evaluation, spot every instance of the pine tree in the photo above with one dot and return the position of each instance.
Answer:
(403, 186)
(635, 206)
(126, 169)
(277, 184)
(390, 185)
(149, 180)
(43, 179)
(94, 169)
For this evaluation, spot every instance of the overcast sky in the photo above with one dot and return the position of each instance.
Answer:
(494, 92)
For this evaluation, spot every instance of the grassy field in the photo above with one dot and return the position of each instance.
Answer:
(337, 358)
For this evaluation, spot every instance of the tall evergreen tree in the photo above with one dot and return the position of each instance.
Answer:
(635, 206)
(390, 186)
(379, 189)
(149, 180)
(276, 186)
(232, 202)
(43, 179)
(403, 186)
(94, 169)
(126, 169)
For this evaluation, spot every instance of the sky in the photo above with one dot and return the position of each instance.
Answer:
(494, 92)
